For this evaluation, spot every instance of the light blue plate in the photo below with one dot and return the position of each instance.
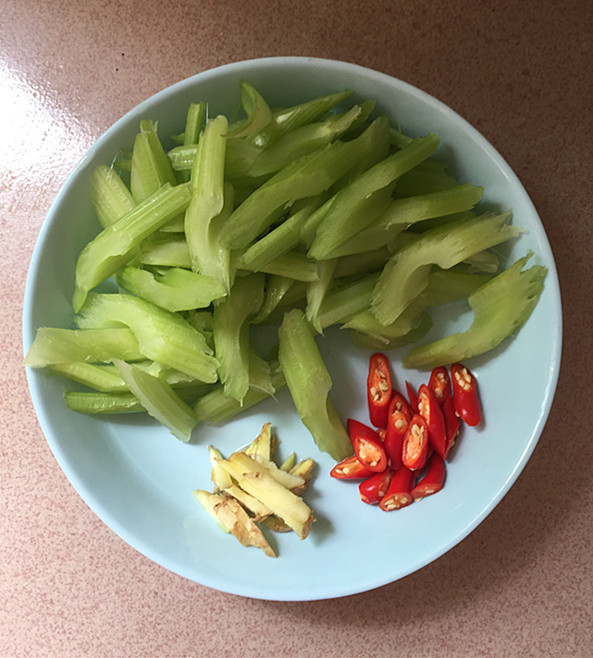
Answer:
(138, 479)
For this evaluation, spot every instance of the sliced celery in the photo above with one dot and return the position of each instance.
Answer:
(116, 244)
(386, 341)
(110, 196)
(97, 403)
(207, 254)
(316, 292)
(104, 378)
(308, 176)
(194, 120)
(231, 333)
(295, 265)
(151, 168)
(166, 251)
(160, 400)
(162, 336)
(406, 274)
(309, 383)
(501, 307)
(346, 300)
(279, 240)
(302, 141)
(216, 407)
(176, 289)
(276, 288)
(349, 214)
(258, 112)
(53, 345)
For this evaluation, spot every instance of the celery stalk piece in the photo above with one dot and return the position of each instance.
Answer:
(194, 120)
(405, 275)
(383, 342)
(162, 336)
(231, 333)
(182, 157)
(216, 407)
(294, 117)
(302, 141)
(346, 300)
(316, 292)
(275, 289)
(160, 400)
(308, 176)
(53, 345)
(402, 213)
(429, 176)
(362, 263)
(116, 244)
(208, 255)
(110, 196)
(176, 289)
(310, 383)
(258, 112)
(349, 214)
(97, 403)
(103, 378)
(280, 240)
(295, 265)
(151, 168)
(501, 307)
(165, 251)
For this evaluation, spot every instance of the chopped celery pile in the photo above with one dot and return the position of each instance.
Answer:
(306, 217)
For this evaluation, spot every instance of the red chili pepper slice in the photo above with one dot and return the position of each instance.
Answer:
(412, 397)
(452, 425)
(415, 445)
(399, 417)
(432, 412)
(433, 481)
(399, 493)
(379, 388)
(375, 487)
(465, 395)
(368, 446)
(440, 384)
(350, 469)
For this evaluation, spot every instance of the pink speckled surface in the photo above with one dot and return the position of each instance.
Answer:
(519, 585)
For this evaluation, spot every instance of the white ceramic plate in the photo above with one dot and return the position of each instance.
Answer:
(138, 479)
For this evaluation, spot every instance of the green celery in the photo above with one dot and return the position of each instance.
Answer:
(385, 342)
(216, 407)
(165, 251)
(231, 333)
(97, 403)
(194, 120)
(176, 289)
(110, 196)
(279, 240)
(500, 308)
(401, 213)
(309, 383)
(349, 214)
(162, 336)
(317, 291)
(275, 289)
(406, 274)
(208, 255)
(346, 300)
(160, 400)
(103, 378)
(53, 345)
(308, 176)
(294, 264)
(151, 168)
(302, 141)
(257, 110)
(116, 244)
(429, 176)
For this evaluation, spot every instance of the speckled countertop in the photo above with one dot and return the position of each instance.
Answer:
(522, 583)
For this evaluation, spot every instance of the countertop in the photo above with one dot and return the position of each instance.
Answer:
(521, 584)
